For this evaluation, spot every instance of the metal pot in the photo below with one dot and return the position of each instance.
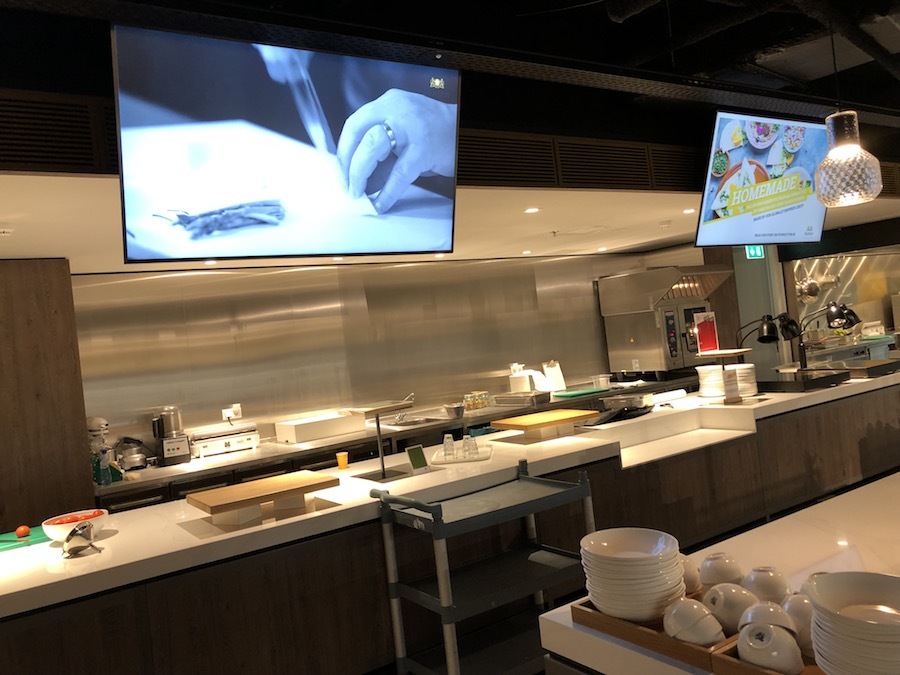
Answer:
(454, 411)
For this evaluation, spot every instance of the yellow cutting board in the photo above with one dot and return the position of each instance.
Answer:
(255, 492)
(540, 420)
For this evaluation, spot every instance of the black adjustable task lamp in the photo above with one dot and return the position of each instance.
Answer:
(766, 331)
(838, 317)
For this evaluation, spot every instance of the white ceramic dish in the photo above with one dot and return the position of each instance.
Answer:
(770, 647)
(766, 611)
(767, 583)
(727, 603)
(720, 568)
(833, 592)
(632, 544)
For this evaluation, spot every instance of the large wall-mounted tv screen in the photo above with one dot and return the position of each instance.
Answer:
(238, 150)
(760, 182)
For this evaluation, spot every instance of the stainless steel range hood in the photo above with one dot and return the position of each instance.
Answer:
(633, 292)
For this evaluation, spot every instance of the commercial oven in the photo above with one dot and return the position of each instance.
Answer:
(649, 316)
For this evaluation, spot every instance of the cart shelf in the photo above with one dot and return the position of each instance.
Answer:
(486, 584)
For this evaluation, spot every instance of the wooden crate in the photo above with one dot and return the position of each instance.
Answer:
(725, 661)
(649, 636)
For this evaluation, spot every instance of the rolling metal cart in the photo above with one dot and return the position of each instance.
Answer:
(470, 590)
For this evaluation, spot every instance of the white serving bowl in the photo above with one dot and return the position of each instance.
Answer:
(631, 544)
(767, 583)
(720, 568)
(649, 576)
(832, 593)
(727, 603)
(766, 611)
(770, 647)
(58, 531)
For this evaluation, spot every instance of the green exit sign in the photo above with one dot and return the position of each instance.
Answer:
(755, 252)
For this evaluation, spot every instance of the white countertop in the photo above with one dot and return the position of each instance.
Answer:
(156, 540)
(854, 531)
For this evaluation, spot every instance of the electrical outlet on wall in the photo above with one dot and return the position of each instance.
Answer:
(236, 410)
(227, 413)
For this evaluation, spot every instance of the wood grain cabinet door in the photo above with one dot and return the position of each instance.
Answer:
(44, 457)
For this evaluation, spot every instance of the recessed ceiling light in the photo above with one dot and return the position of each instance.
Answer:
(602, 249)
(438, 255)
(688, 212)
(209, 262)
(532, 209)
(526, 252)
(337, 259)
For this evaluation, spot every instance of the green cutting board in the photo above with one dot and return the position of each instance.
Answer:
(577, 392)
(8, 541)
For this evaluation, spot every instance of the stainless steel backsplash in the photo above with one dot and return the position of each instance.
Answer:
(287, 340)
(866, 282)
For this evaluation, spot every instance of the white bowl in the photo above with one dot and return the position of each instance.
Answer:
(720, 568)
(682, 614)
(691, 574)
(706, 633)
(770, 647)
(767, 583)
(59, 527)
(766, 611)
(632, 544)
(800, 609)
(727, 603)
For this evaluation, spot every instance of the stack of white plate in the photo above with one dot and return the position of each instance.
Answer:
(746, 377)
(712, 382)
(856, 622)
(632, 573)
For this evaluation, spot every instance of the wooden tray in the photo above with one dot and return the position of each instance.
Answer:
(649, 636)
(234, 504)
(726, 662)
(548, 418)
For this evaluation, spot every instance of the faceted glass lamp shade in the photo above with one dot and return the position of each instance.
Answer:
(848, 175)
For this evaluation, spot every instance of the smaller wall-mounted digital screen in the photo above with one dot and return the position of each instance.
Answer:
(231, 149)
(760, 182)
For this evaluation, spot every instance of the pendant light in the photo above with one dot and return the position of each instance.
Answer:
(848, 175)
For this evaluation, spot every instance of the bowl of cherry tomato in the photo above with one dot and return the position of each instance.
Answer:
(59, 527)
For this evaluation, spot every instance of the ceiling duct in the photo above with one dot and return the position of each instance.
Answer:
(642, 291)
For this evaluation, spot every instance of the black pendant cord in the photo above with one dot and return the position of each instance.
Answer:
(837, 84)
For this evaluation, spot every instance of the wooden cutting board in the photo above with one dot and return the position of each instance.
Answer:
(541, 420)
(255, 492)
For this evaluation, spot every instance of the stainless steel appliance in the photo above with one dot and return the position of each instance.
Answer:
(648, 316)
(173, 442)
(221, 438)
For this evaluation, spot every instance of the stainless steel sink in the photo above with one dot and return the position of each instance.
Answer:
(413, 421)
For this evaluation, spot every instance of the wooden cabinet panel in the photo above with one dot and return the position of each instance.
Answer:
(694, 496)
(44, 457)
(318, 606)
(106, 634)
(806, 454)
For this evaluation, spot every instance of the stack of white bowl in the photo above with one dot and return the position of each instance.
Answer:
(856, 622)
(632, 573)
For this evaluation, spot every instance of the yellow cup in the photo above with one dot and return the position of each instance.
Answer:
(343, 460)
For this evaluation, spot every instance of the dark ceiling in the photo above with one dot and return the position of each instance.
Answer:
(587, 65)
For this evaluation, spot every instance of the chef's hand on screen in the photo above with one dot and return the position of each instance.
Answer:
(285, 65)
(416, 130)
